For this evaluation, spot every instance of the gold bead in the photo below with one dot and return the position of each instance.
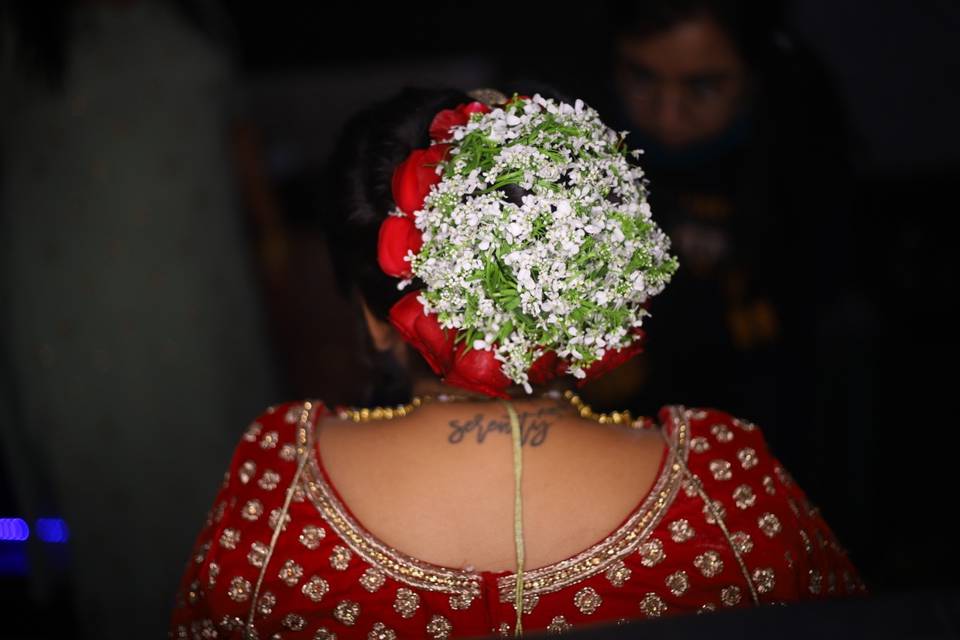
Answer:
(585, 411)
(388, 414)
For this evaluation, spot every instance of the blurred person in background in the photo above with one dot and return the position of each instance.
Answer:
(746, 147)
(131, 341)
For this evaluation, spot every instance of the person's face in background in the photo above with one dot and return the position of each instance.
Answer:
(682, 85)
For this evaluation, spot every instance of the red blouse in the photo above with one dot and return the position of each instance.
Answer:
(724, 525)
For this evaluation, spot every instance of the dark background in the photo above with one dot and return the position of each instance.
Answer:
(880, 461)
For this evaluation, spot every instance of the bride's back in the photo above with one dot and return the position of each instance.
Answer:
(438, 484)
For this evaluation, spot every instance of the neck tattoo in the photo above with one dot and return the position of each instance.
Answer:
(534, 426)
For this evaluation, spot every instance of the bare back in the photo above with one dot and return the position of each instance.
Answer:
(438, 484)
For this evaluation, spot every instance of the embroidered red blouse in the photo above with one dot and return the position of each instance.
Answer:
(724, 525)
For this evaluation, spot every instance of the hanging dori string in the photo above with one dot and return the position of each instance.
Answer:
(517, 513)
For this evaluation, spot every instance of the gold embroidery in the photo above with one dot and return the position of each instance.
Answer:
(680, 530)
(618, 574)
(439, 627)
(239, 590)
(311, 536)
(247, 469)
(652, 605)
(252, 510)
(406, 602)
(652, 553)
(293, 622)
(709, 563)
(769, 524)
(381, 631)
(266, 603)
(229, 538)
(315, 588)
(290, 573)
(269, 440)
(347, 612)
(744, 496)
(748, 457)
(372, 579)
(258, 553)
(730, 595)
(559, 624)
(742, 542)
(269, 480)
(764, 579)
(340, 558)
(721, 469)
(678, 582)
(587, 600)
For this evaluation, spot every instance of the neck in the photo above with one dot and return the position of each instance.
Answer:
(434, 387)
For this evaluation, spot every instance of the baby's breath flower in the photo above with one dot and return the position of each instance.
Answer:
(539, 237)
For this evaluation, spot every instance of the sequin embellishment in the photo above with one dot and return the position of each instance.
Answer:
(764, 580)
(618, 574)
(372, 579)
(587, 600)
(652, 553)
(439, 627)
(680, 530)
(347, 612)
(290, 573)
(239, 590)
(769, 524)
(406, 602)
(709, 563)
(730, 595)
(340, 558)
(315, 588)
(311, 536)
(720, 469)
(558, 624)
(678, 582)
(652, 605)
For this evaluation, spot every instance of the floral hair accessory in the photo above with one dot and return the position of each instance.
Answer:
(531, 235)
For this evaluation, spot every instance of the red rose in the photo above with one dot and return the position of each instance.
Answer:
(414, 176)
(423, 331)
(545, 368)
(613, 358)
(397, 236)
(478, 370)
(449, 118)
(475, 369)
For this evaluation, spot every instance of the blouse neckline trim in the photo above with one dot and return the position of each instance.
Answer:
(463, 584)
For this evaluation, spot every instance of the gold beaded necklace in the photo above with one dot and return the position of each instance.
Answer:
(388, 413)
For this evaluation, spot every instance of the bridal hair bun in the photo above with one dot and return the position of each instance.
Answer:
(524, 234)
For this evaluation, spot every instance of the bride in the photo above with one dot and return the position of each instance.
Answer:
(502, 253)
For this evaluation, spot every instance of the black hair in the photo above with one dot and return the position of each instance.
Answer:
(370, 146)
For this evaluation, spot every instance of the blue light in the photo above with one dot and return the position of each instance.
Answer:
(13, 530)
(52, 530)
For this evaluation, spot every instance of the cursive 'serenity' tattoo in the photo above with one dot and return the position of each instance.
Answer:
(533, 426)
